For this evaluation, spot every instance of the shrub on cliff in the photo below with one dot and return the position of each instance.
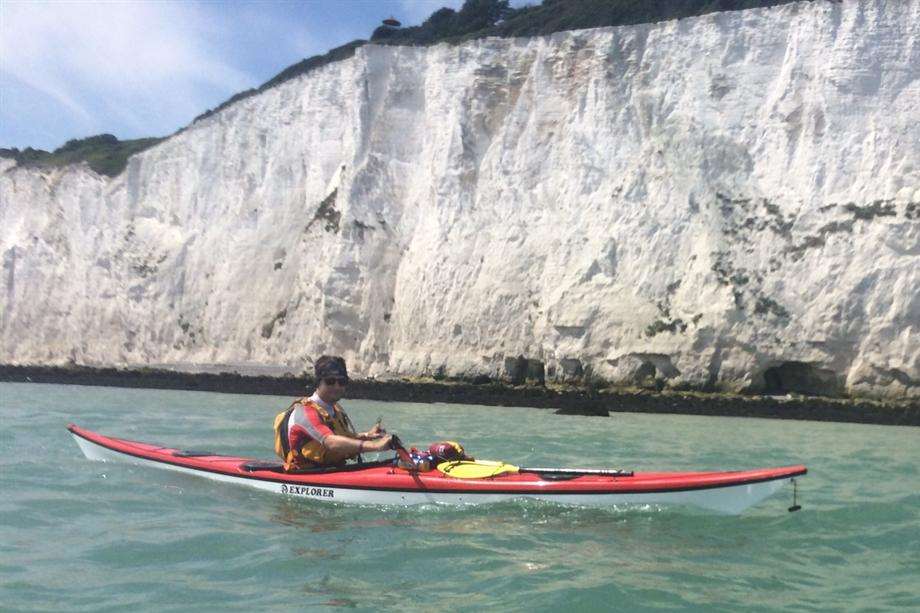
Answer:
(446, 24)
(104, 153)
(475, 15)
(481, 18)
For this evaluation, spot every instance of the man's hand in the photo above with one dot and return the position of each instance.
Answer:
(381, 443)
(376, 432)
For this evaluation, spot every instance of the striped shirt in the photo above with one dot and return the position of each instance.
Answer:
(306, 423)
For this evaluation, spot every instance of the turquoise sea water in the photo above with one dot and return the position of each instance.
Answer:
(77, 535)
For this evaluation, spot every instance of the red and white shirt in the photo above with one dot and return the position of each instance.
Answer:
(306, 424)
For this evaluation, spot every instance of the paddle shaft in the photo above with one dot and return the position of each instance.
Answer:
(403, 454)
(613, 472)
(401, 450)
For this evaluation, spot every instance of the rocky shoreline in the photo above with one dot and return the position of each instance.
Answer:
(566, 401)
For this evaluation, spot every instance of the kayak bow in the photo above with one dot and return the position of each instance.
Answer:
(383, 483)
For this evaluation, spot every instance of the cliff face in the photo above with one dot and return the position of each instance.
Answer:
(731, 200)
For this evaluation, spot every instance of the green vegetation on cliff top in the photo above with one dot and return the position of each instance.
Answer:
(104, 153)
(482, 18)
(107, 155)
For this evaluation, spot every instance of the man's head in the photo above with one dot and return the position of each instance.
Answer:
(331, 377)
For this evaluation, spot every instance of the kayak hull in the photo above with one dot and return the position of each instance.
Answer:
(723, 492)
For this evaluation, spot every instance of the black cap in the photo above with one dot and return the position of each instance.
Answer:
(330, 366)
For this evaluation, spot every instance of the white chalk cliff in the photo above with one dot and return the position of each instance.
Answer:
(729, 201)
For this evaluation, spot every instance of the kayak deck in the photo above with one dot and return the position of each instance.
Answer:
(383, 483)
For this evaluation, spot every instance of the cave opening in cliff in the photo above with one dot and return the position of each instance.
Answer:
(800, 378)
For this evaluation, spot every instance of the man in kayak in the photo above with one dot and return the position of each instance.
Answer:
(316, 431)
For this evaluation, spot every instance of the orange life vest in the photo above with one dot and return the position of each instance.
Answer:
(311, 453)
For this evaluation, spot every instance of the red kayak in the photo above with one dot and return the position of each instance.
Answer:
(385, 483)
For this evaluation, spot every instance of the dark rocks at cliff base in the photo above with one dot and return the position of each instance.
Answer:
(566, 402)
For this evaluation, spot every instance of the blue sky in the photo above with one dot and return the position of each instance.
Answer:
(70, 69)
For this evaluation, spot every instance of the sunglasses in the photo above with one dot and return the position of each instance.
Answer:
(343, 381)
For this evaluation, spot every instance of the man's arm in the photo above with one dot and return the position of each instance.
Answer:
(340, 448)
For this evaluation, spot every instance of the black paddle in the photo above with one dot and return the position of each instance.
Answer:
(403, 454)
(401, 450)
(795, 505)
(613, 472)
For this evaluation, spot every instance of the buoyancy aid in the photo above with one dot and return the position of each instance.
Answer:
(311, 452)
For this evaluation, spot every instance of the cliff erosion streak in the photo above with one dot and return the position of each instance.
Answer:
(730, 201)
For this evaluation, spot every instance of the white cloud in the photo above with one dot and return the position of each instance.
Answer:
(134, 68)
(135, 61)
